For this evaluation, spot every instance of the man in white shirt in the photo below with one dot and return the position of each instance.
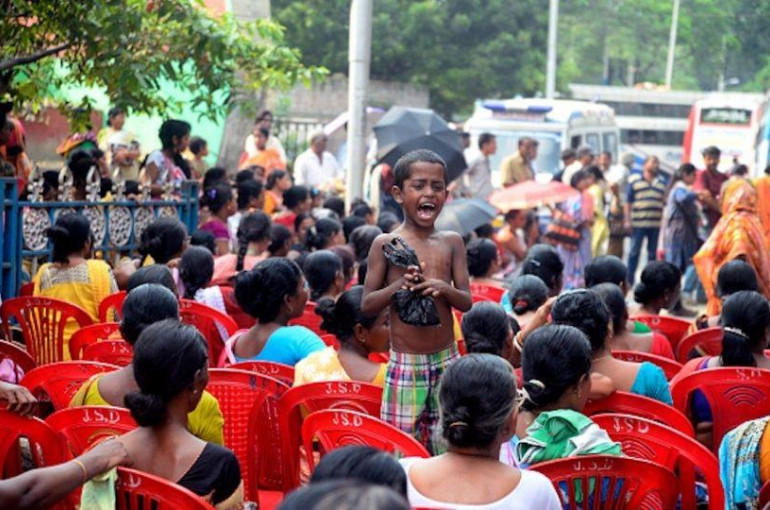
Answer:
(585, 156)
(477, 179)
(316, 166)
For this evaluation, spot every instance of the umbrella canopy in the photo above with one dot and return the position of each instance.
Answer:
(402, 130)
(465, 215)
(531, 194)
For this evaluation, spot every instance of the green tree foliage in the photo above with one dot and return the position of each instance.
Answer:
(132, 47)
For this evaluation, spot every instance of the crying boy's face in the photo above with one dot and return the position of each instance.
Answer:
(424, 192)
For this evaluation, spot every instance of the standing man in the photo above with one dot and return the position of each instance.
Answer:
(711, 179)
(617, 178)
(316, 167)
(477, 179)
(643, 212)
(518, 168)
(585, 156)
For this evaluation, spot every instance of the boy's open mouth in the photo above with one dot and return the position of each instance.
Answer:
(426, 210)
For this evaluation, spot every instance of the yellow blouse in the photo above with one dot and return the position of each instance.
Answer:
(325, 365)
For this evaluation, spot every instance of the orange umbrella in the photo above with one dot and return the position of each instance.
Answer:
(531, 194)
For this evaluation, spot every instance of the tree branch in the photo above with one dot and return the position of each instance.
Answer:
(13, 62)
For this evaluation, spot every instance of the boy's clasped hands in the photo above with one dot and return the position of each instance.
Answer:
(415, 281)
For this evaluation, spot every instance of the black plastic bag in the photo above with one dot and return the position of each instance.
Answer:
(412, 307)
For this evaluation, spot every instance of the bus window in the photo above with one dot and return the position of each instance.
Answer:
(574, 142)
(592, 140)
(610, 144)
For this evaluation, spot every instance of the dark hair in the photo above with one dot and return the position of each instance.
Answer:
(196, 270)
(363, 268)
(481, 253)
(279, 235)
(321, 268)
(735, 276)
(343, 495)
(217, 197)
(362, 463)
(261, 292)
(485, 231)
(616, 303)
(166, 359)
(273, 177)
(526, 293)
(350, 223)
(596, 172)
(554, 359)
(684, 169)
(145, 305)
(253, 228)
(485, 328)
(214, 176)
(577, 177)
(745, 319)
(335, 204)
(403, 168)
(512, 215)
(605, 269)
(264, 132)
(246, 191)
(163, 239)
(154, 273)
(362, 210)
(197, 144)
(362, 239)
(261, 116)
(345, 253)
(387, 221)
(69, 235)
(543, 261)
(476, 395)
(711, 150)
(171, 129)
(657, 277)
(80, 163)
(585, 310)
(245, 175)
(318, 236)
(298, 219)
(203, 238)
(340, 317)
(485, 138)
(294, 196)
(114, 112)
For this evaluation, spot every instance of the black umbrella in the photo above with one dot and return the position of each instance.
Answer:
(465, 215)
(403, 130)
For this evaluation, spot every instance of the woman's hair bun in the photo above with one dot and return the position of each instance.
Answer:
(57, 232)
(458, 426)
(326, 307)
(147, 409)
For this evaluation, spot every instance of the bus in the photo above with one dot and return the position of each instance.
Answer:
(762, 145)
(556, 124)
(729, 121)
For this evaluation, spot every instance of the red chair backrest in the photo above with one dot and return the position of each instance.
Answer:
(645, 407)
(707, 341)
(135, 490)
(27, 289)
(312, 397)
(241, 397)
(42, 322)
(309, 319)
(649, 440)
(331, 341)
(111, 307)
(669, 366)
(58, 382)
(114, 352)
(206, 319)
(611, 482)
(46, 446)
(279, 371)
(336, 428)
(735, 395)
(764, 496)
(82, 427)
(20, 357)
(672, 328)
(484, 292)
(88, 335)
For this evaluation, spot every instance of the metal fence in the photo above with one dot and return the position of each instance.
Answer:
(294, 135)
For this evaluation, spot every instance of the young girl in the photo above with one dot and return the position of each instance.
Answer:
(526, 294)
(278, 181)
(326, 232)
(359, 336)
(253, 241)
(323, 271)
(221, 202)
(280, 241)
(168, 164)
(659, 287)
(483, 262)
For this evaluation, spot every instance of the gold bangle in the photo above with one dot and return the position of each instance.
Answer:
(83, 467)
(517, 342)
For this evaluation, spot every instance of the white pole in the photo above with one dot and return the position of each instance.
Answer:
(672, 44)
(553, 28)
(359, 58)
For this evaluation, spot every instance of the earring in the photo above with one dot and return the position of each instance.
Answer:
(289, 309)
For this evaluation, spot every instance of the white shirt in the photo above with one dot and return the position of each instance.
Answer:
(310, 171)
(571, 170)
(534, 490)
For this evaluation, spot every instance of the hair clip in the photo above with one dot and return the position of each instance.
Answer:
(458, 424)
(737, 331)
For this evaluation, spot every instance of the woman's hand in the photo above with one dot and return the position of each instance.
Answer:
(20, 400)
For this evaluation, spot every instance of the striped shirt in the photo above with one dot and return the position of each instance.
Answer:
(646, 200)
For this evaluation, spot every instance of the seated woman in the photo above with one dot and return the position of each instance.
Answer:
(478, 414)
(543, 261)
(171, 371)
(746, 323)
(659, 287)
(154, 273)
(624, 339)
(744, 465)
(163, 241)
(585, 310)
(484, 262)
(363, 463)
(487, 329)
(359, 336)
(273, 293)
(324, 274)
(526, 294)
(146, 305)
(556, 369)
(72, 276)
(326, 232)
(733, 277)
(221, 203)
(253, 240)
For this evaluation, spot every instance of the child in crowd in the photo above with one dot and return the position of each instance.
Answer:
(526, 294)
(250, 199)
(199, 149)
(296, 200)
(254, 237)
(419, 355)
(280, 241)
(323, 271)
(278, 181)
(221, 203)
(326, 233)
(659, 287)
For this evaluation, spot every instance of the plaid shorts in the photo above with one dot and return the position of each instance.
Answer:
(410, 397)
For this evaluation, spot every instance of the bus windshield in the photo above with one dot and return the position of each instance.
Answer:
(548, 150)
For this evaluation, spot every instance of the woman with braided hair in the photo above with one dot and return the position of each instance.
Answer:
(253, 240)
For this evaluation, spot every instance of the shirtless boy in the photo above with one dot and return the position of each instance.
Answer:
(419, 355)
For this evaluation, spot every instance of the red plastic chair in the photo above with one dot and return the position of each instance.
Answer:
(348, 395)
(764, 497)
(484, 292)
(309, 319)
(135, 490)
(672, 328)
(27, 289)
(645, 407)
(331, 341)
(46, 446)
(88, 335)
(707, 341)
(114, 352)
(336, 428)
(111, 307)
(21, 358)
(279, 371)
(622, 482)
(735, 395)
(649, 440)
(669, 366)
(43, 321)
(206, 319)
(241, 396)
(82, 427)
(58, 382)
(379, 357)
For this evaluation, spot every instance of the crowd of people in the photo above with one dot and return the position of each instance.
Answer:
(270, 242)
